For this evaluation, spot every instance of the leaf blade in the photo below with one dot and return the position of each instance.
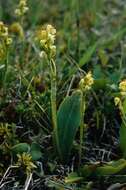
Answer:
(68, 121)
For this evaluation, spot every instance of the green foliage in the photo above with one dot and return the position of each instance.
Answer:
(122, 139)
(85, 58)
(35, 151)
(111, 168)
(20, 148)
(97, 171)
(68, 121)
(88, 54)
(100, 170)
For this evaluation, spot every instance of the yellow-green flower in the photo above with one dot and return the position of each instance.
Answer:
(22, 8)
(122, 87)
(8, 41)
(3, 30)
(17, 29)
(5, 136)
(46, 38)
(86, 82)
(4, 35)
(25, 161)
(117, 101)
(5, 131)
(5, 40)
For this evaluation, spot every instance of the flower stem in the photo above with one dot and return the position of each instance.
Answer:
(53, 101)
(53, 92)
(5, 72)
(82, 128)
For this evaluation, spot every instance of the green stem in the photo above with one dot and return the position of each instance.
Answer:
(5, 72)
(53, 101)
(82, 128)
(53, 93)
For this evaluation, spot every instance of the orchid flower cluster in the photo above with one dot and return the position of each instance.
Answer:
(122, 88)
(22, 8)
(120, 100)
(86, 82)
(5, 39)
(46, 38)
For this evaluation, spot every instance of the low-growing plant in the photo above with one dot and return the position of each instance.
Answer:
(8, 137)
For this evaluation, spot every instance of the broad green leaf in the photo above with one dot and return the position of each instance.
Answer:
(68, 121)
(122, 139)
(36, 151)
(20, 148)
(98, 170)
(111, 168)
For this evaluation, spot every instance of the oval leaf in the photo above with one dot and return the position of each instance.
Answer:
(20, 148)
(111, 168)
(36, 151)
(68, 121)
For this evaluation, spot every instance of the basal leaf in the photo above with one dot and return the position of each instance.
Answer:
(98, 170)
(20, 148)
(36, 151)
(68, 121)
(111, 168)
